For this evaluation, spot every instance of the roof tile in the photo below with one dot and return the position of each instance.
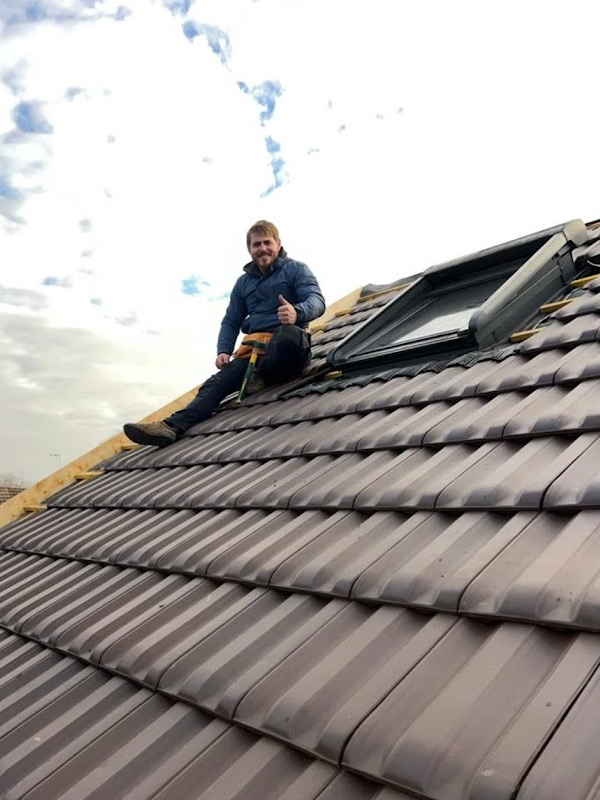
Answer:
(447, 730)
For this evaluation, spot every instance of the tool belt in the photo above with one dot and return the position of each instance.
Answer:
(253, 342)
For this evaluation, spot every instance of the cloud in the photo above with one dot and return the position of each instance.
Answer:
(73, 91)
(29, 117)
(265, 94)
(19, 14)
(24, 298)
(217, 39)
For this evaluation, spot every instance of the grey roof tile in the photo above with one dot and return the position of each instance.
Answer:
(454, 382)
(136, 536)
(404, 427)
(523, 372)
(342, 435)
(558, 409)
(200, 487)
(94, 630)
(574, 332)
(587, 303)
(148, 650)
(419, 476)
(32, 677)
(265, 443)
(318, 696)
(192, 552)
(477, 419)
(338, 488)
(434, 564)
(70, 732)
(277, 482)
(255, 557)
(583, 363)
(218, 671)
(471, 716)
(578, 487)
(549, 573)
(513, 475)
(84, 493)
(331, 562)
(569, 766)
(41, 532)
(77, 712)
(350, 787)
(49, 618)
(393, 393)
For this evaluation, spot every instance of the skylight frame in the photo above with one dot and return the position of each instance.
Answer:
(536, 268)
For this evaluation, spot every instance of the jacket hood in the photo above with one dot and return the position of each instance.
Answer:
(252, 269)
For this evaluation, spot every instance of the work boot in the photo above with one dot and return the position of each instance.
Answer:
(156, 433)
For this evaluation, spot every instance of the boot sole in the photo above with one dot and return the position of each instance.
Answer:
(141, 437)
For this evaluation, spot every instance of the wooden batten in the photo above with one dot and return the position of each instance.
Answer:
(520, 336)
(344, 304)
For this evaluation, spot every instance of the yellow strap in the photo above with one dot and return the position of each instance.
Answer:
(253, 342)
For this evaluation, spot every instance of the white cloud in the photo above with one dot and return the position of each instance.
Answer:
(158, 147)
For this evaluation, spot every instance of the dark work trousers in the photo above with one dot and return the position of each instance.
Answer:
(286, 355)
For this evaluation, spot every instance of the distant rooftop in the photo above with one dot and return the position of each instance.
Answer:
(6, 492)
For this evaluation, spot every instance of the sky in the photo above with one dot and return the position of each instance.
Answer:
(139, 139)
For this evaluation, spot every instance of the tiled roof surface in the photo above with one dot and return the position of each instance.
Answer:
(6, 492)
(373, 588)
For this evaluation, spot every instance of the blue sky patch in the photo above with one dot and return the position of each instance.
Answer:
(7, 189)
(216, 38)
(52, 280)
(193, 285)
(34, 12)
(278, 165)
(265, 94)
(122, 13)
(178, 6)
(29, 117)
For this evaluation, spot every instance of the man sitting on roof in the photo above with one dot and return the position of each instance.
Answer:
(272, 302)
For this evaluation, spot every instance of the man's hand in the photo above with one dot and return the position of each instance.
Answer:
(286, 313)
(222, 360)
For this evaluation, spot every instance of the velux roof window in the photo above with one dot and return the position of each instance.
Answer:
(468, 304)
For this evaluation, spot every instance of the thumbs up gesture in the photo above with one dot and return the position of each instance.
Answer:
(286, 312)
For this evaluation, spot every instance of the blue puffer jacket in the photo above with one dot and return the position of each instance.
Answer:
(255, 298)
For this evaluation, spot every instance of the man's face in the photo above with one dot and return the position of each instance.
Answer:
(264, 250)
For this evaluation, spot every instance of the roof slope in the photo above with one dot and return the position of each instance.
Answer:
(372, 588)
(6, 492)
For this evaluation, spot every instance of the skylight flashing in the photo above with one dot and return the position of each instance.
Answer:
(467, 304)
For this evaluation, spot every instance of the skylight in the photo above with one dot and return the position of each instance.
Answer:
(467, 304)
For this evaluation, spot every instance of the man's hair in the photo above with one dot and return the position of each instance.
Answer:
(264, 228)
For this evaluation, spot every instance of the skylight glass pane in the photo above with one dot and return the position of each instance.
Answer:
(445, 313)
(445, 323)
